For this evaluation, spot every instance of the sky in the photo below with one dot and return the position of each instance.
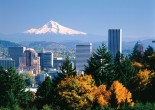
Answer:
(135, 17)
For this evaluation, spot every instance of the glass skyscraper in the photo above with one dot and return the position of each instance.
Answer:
(46, 60)
(115, 41)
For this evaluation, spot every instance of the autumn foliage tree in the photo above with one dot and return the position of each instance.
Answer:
(137, 65)
(140, 85)
(74, 91)
(100, 96)
(120, 95)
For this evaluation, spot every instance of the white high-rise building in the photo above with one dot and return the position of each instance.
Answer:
(115, 41)
(83, 53)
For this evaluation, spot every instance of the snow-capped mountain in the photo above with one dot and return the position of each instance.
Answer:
(54, 27)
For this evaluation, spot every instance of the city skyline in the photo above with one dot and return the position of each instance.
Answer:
(135, 18)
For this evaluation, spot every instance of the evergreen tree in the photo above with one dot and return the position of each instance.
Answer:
(148, 52)
(100, 66)
(44, 93)
(12, 88)
(123, 69)
(136, 55)
(151, 63)
(66, 70)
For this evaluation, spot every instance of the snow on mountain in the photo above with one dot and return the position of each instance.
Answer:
(54, 27)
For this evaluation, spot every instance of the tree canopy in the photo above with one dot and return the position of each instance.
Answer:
(100, 66)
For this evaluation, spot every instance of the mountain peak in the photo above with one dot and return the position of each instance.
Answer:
(54, 27)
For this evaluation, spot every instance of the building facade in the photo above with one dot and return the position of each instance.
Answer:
(83, 53)
(114, 41)
(30, 61)
(15, 53)
(6, 63)
(46, 60)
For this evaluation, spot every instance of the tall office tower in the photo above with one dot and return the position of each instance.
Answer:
(83, 53)
(30, 61)
(46, 60)
(6, 63)
(115, 41)
(15, 53)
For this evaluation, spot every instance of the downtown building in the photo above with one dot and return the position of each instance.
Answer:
(6, 63)
(46, 60)
(83, 53)
(30, 61)
(15, 53)
(114, 41)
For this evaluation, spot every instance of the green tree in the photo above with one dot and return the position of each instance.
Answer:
(100, 66)
(66, 70)
(123, 69)
(151, 64)
(136, 55)
(142, 84)
(28, 78)
(44, 93)
(148, 52)
(67, 67)
(12, 90)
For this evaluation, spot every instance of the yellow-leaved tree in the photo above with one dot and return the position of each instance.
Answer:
(100, 96)
(141, 83)
(74, 91)
(120, 95)
(137, 65)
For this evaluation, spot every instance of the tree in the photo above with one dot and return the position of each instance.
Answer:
(123, 69)
(100, 66)
(74, 92)
(101, 96)
(151, 64)
(140, 85)
(136, 55)
(66, 70)
(137, 65)
(148, 52)
(12, 88)
(120, 95)
(28, 78)
(44, 93)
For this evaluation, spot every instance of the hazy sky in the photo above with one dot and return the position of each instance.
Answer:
(135, 17)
